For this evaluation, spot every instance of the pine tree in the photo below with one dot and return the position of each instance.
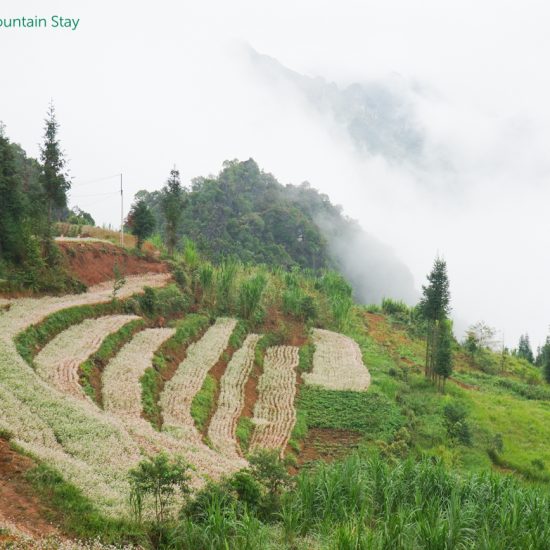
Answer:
(524, 349)
(542, 353)
(141, 221)
(11, 204)
(435, 307)
(444, 355)
(546, 363)
(172, 208)
(543, 359)
(54, 178)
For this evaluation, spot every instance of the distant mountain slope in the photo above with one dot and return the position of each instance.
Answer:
(247, 213)
(378, 116)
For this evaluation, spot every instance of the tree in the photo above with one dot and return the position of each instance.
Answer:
(11, 205)
(542, 353)
(435, 306)
(543, 359)
(141, 221)
(172, 203)
(77, 216)
(54, 178)
(524, 349)
(546, 365)
(444, 354)
(158, 478)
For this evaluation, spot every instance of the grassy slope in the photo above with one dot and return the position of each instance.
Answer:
(395, 360)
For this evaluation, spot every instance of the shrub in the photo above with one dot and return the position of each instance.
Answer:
(393, 307)
(165, 301)
(158, 478)
(457, 426)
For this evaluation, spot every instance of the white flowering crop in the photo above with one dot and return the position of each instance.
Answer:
(337, 363)
(274, 412)
(58, 362)
(175, 400)
(121, 388)
(221, 431)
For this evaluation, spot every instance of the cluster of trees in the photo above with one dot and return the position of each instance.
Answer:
(435, 308)
(34, 196)
(244, 213)
(172, 200)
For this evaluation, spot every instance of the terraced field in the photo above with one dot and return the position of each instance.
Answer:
(49, 416)
(179, 392)
(274, 413)
(337, 363)
(221, 431)
(57, 363)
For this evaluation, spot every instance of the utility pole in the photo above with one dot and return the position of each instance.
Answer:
(121, 214)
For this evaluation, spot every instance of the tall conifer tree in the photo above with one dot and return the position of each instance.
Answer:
(172, 203)
(435, 307)
(54, 179)
(524, 349)
(11, 204)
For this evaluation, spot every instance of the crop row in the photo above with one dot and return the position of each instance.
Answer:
(57, 363)
(176, 399)
(120, 381)
(221, 431)
(274, 412)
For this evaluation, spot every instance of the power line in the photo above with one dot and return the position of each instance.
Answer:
(98, 179)
(94, 195)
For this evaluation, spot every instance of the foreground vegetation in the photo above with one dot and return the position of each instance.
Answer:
(362, 502)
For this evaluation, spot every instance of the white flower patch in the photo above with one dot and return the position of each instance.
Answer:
(122, 397)
(29, 311)
(274, 412)
(59, 360)
(337, 363)
(91, 448)
(120, 381)
(175, 400)
(221, 431)
(18, 419)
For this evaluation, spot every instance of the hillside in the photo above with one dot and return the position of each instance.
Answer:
(218, 363)
(246, 213)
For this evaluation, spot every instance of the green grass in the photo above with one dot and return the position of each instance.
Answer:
(238, 335)
(536, 392)
(150, 382)
(186, 331)
(204, 402)
(306, 357)
(523, 424)
(76, 514)
(34, 338)
(369, 413)
(244, 430)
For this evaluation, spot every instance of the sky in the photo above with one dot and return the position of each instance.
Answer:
(141, 86)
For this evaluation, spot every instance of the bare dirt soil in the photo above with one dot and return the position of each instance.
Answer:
(93, 262)
(327, 444)
(18, 505)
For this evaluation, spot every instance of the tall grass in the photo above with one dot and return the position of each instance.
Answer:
(250, 295)
(225, 283)
(365, 503)
(339, 295)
